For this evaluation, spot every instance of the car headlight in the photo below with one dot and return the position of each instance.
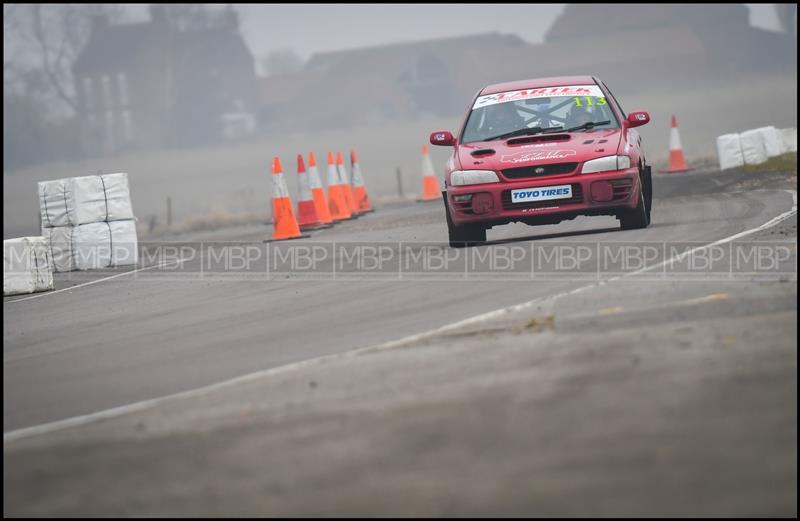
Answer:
(473, 177)
(603, 164)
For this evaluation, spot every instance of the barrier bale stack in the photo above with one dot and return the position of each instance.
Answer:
(88, 222)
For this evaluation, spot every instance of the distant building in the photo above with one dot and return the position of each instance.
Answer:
(150, 85)
(378, 84)
(722, 39)
(633, 47)
(427, 71)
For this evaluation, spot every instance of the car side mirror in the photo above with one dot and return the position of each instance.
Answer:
(442, 138)
(637, 119)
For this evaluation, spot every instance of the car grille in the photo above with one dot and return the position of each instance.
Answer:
(530, 171)
(577, 197)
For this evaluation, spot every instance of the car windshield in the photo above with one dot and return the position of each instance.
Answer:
(495, 116)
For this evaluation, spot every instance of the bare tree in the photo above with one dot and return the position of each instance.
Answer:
(40, 45)
(46, 39)
(12, 70)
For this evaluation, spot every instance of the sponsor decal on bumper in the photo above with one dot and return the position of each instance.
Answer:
(545, 193)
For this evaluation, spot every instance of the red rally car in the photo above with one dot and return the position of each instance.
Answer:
(541, 151)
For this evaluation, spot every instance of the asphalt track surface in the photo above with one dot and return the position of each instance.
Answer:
(124, 341)
(135, 338)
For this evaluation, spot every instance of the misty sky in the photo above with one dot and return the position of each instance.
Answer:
(313, 28)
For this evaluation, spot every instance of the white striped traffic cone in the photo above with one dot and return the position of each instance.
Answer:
(284, 224)
(359, 190)
(676, 161)
(317, 191)
(430, 185)
(307, 216)
(340, 211)
(347, 188)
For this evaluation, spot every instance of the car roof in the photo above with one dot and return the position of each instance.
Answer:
(538, 83)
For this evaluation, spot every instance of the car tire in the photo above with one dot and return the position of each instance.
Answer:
(647, 184)
(463, 236)
(636, 218)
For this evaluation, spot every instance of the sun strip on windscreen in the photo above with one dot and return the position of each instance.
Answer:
(517, 95)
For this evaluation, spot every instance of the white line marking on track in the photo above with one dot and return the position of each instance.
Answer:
(48, 293)
(146, 404)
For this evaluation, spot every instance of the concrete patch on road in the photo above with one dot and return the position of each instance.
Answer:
(537, 325)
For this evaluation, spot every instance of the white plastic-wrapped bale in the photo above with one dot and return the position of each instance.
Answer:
(753, 149)
(59, 240)
(54, 198)
(772, 141)
(83, 200)
(93, 246)
(26, 266)
(788, 139)
(729, 150)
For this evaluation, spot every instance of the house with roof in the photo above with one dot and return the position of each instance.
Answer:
(633, 47)
(150, 85)
(377, 84)
(654, 42)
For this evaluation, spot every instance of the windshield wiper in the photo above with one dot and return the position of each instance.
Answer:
(520, 132)
(588, 125)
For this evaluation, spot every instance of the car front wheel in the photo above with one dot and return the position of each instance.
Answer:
(462, 236)
(636, 218)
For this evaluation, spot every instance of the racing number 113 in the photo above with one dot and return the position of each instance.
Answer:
(600, 101)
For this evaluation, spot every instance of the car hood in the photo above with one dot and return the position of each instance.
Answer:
(539, 149)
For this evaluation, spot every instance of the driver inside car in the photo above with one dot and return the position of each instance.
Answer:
(579, 115)
(503, 117)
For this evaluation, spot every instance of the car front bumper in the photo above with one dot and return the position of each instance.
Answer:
(601, 193)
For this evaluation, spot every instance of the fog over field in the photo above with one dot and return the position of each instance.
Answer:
(308, 97)
(598, 304)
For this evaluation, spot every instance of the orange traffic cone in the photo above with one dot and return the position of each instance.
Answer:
(307, 216)
(346, 188)
(284, 225)
(338, 206)
(317, 192)
(359, 190)
(676, 161)
(430, 185)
